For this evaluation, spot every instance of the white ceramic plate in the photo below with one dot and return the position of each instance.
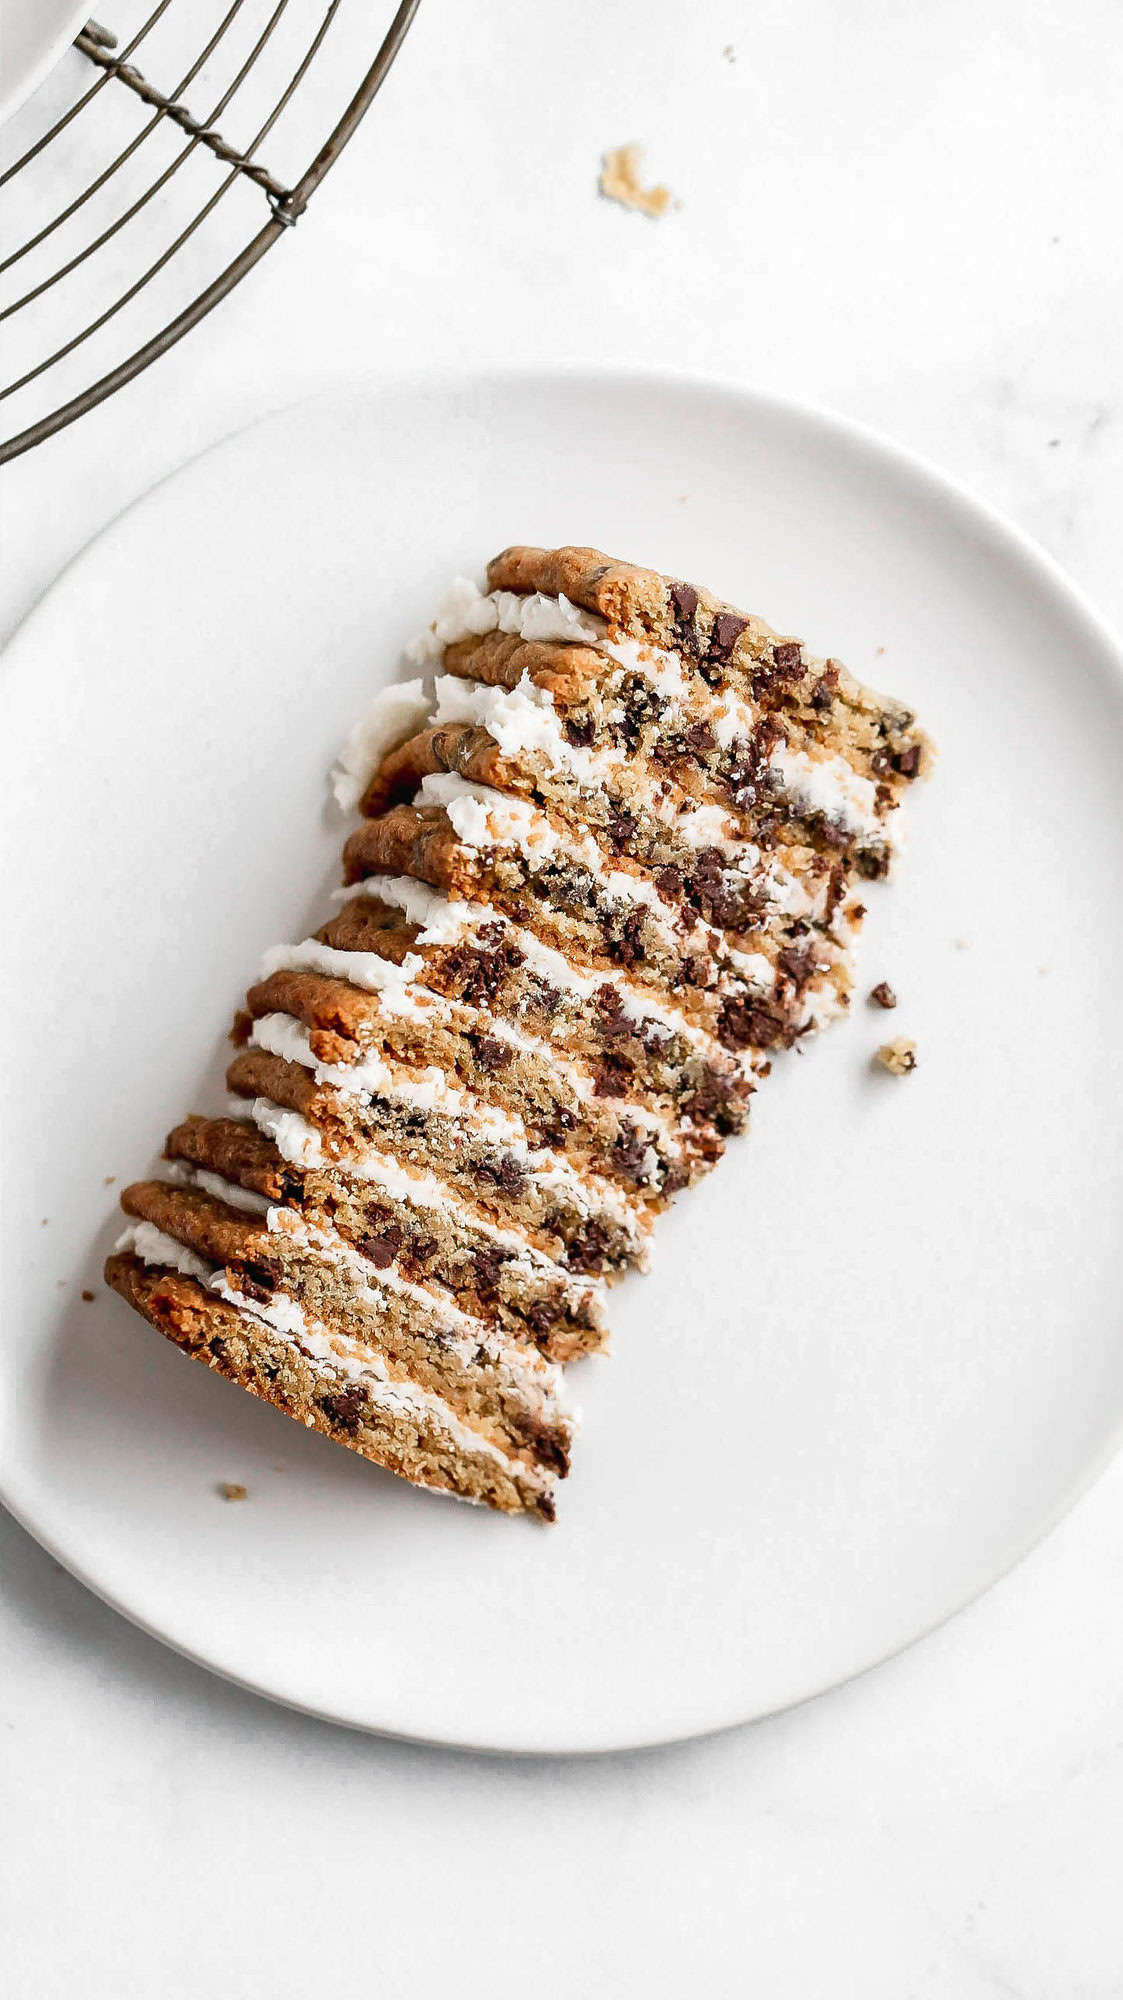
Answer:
(33, 35)
(879, 1352)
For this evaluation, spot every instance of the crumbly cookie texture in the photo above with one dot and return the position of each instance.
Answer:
(609, 858)
(898, 1057)
(620, 180)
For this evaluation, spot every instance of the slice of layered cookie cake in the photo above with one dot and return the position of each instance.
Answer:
(611, 850)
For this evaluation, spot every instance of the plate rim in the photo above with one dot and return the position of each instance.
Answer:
(55, 45)
(573, 373)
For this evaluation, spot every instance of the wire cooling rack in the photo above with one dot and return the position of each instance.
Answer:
(137, 175)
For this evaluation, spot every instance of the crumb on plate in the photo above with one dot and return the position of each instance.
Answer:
(620, 181)
(231, 1490)
(897, 1057)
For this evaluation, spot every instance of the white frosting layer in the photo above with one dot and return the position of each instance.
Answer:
(523, 722)
(465, 612)
(424, 1089)
(516, 718)
(430, 1090)
(445, 921)
(298, 1142)
(360, 968)
(460, 1333)
(393, 716)
(331, 1350)
(828, 785)
(234, 1196)
(483, 817)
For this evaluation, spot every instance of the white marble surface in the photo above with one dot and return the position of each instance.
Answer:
(911, 215)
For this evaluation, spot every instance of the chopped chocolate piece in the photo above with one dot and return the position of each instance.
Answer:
(788, 657)
(668, 881)
(612, 1077)
(492, 1054)
(685, 600)
(581, 731)
(724, 634)
(486, 1267)
(744, 1024)
(510, 1176)
(630, 1152)
(883, 995)
(383, 1248)
(344, 1407)
(798, 962)
(252, 1280)
(543, 1316)
(621, 830)
(699, 739)
(907, 762)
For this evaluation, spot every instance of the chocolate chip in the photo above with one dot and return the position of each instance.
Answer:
(832, 834)
(581, 731)
(492, 1054)
(798, 962)
(883, 995)
(699, 739)
(554, 1131)
(252, 1280)
(612, 1077)
(620, 830)
(873, 865)
(668, 881)
(907, 762)
(787, 657)
(685, 600)
(629, 1153)
(383, 1248)
(486, 1266)
(542, 1316)
(627, 945)
(744, 1024)
(724, 634)
(506, 1174)
(422, 1248)
(344, 1407)
(590, 1252)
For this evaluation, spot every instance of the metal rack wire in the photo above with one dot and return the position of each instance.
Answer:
(142, 250)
